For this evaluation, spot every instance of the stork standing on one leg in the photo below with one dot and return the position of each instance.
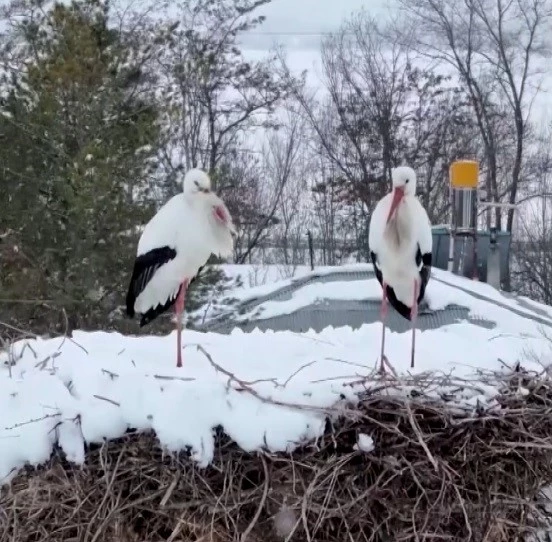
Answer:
(174, 245)
(401, 248)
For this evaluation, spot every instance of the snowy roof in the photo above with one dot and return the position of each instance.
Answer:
(351, 296)
(266, 390)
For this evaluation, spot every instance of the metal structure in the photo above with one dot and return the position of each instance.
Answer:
(464, 177)
(493, 253)
(465, 256)
(493, 260)
(345, 312)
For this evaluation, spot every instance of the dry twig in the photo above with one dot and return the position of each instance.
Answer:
(439, 471)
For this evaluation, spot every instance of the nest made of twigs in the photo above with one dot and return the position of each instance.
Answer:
(437, 472)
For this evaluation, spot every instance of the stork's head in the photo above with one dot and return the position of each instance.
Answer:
(404, 184)
(196, 180)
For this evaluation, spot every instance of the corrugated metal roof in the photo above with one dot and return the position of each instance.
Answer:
(354, 313)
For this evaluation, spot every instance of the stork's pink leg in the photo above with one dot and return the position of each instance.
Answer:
(179, 311)
(383, 314)
(413, 318)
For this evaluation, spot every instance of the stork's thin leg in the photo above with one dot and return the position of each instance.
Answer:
(179, 311)
(413, 317)
(383, 314)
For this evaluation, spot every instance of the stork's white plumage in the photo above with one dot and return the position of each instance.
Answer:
(173, 247)
(401, 246)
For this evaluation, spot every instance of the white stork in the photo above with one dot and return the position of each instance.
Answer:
(401, 250)
(175, 244)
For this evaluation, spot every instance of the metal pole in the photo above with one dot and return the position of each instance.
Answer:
(450, 264)
(475, 271)
(475, 274)
(311, 250)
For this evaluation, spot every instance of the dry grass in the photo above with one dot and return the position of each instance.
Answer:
(438, 473)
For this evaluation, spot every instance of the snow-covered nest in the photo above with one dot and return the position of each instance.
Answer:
(393, 466)
(278, 432)
(275, 429)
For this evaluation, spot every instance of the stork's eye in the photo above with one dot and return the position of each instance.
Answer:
(406, 182)
(196, 183)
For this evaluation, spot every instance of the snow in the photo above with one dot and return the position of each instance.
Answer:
(259, 275)
(248, 281)
(285, 521)
(314, 293)
(266, 390)
(365, 443)
(543, 309)
(444, 289)
(253, 281)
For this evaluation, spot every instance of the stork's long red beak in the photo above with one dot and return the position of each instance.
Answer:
(398, 195)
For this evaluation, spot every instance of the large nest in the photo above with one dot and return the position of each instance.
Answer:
(437, 472)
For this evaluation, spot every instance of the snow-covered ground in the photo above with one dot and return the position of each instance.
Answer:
(264, 389)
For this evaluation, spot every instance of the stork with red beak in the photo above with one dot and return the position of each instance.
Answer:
(401, 250)
(175, 245)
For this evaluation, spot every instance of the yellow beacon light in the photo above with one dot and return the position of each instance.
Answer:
(464, 174)
(464, 177)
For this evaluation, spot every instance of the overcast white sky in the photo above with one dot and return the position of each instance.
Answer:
(300, 25)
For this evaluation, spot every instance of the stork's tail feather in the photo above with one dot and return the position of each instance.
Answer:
(131, 298)
(145, 267)
(152, 313)
(399, 306)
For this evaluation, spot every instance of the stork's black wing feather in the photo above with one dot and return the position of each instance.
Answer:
(145, 267)
(401, 308)
(423, 261)
(377, 270)
(153, 312)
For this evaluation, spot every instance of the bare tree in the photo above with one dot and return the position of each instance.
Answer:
(379, 110)
(331, 213)
(353, 129)
(532, 249)
(493, 46)
(287, 165)
(215, 95)
(253, 196)
(364, 77)
(438, 128)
